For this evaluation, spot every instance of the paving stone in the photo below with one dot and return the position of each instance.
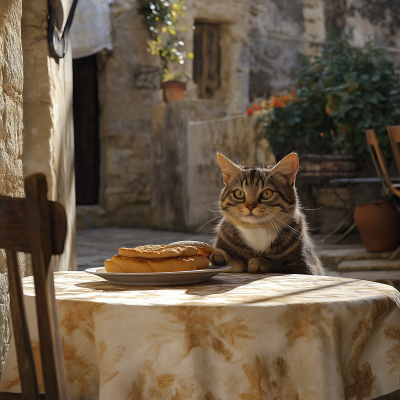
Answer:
(95, 245)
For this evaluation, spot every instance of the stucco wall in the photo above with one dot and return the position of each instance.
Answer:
(11, 179)
(186, 178)
(48, 120)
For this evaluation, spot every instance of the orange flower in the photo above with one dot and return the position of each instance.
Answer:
(343, 128)
(256, 107)
(249, 111)
(328, 111)
(292, 93)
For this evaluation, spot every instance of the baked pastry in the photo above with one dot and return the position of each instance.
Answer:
(202, 248)
(121, 263)
(151, 251)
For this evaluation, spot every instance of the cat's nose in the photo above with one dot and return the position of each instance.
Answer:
(251, 206)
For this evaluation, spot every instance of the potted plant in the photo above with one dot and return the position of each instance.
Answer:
(341, 91)
(162, 17)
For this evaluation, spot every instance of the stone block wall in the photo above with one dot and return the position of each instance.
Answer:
(125, 124)
(11, 174)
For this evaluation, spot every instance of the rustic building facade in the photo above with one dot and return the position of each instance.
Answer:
(257, 44)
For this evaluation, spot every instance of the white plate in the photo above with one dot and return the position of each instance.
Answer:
(159, 278)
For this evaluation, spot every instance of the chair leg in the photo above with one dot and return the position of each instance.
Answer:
(346, 218)
(346, 233)
(395, 254)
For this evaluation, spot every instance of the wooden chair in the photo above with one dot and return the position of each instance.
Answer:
(390, 188)
(37, 226)
(394, 137)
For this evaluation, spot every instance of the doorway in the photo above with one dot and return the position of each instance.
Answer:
(86, 127)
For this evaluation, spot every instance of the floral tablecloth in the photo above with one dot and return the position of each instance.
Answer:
(237, 336)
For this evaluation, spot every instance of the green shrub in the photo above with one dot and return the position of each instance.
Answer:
(340, 92)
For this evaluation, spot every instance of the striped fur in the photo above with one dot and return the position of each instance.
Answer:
(258, 235)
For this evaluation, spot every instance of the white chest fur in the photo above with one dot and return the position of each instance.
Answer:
(258, 239)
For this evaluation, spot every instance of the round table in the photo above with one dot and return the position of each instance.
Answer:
(237, 336)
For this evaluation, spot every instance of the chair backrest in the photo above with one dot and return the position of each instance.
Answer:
(394, 137)
(381, 169)
(37, 226)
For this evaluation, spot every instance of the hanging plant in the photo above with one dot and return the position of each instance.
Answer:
(163, 21)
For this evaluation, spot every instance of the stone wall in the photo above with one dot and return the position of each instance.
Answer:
(260, 43)
(125, 126)
(279, 31)
(48, 119)
(186, 178)
(11, 178)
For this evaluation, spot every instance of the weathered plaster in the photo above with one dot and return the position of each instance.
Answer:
(48, 118)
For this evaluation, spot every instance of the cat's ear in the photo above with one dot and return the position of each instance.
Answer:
(288, 167)
(228, 168)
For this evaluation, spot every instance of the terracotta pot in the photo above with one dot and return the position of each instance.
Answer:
(379, 225)
(173, 90)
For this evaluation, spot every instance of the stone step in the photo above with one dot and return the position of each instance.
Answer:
(369, 265)
(377, 276)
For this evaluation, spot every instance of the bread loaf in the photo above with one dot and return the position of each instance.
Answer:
(152, 251)
(120, 263)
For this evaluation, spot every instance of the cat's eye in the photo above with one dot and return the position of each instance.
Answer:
(267, 194)
(239, 194)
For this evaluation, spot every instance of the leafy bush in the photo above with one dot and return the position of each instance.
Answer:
(340, 92)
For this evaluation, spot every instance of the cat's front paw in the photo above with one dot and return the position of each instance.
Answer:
(237, 265)
(219, 257)
(258, 266)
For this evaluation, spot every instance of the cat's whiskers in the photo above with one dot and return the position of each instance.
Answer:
(274, 227)
(282, 232)
(220, 216)
(286, 225)
(234, 217)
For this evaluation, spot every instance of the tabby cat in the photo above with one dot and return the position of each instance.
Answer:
(263, 228)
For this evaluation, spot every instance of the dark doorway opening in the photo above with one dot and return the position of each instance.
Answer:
(86, 126)
(207, 59)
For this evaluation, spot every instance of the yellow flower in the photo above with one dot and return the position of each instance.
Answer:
(157, 19)
(174, 14)
(190, 56)
(164, 29)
